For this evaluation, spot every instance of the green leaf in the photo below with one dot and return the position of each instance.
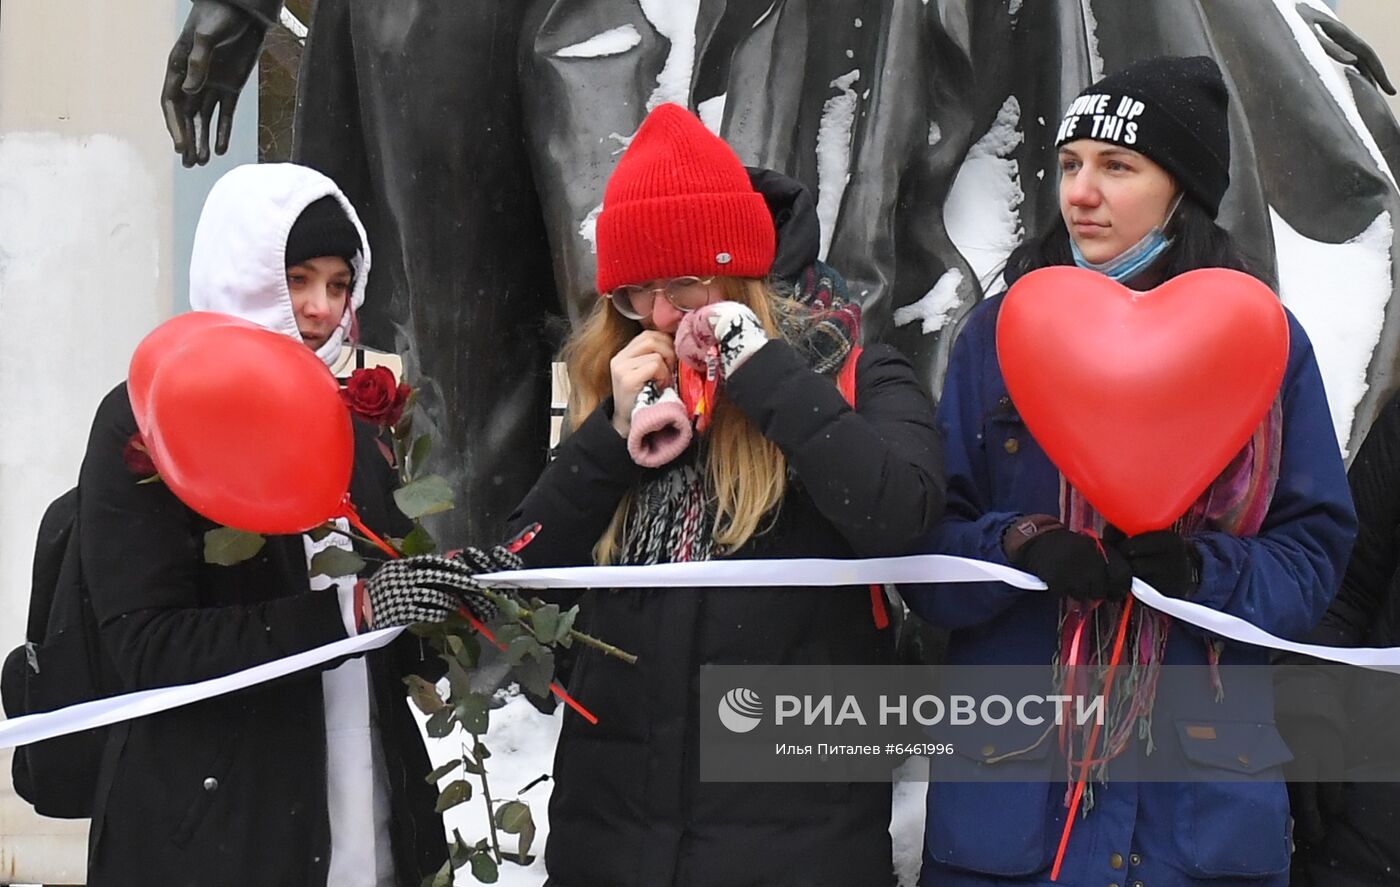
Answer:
(455, 644)
(441, 878)
(460, 679)
(527, 837)
(522, 647)
(566, 625)
(510, 608)
(419, 541)
(512, 817)
(406, 419)
(428, 631)
(226, 546)
(336, 561)
(535, 673)
(433, 777)
(464, 649)
(440, 724)
(424, 695)
(461, 852)
(153, 479)
(321, 532)
(508, 633)
(474, 712)
(546, 622)
(484, 868)
(458, 791)
(472, 765)
(427, 495)
(419, 455)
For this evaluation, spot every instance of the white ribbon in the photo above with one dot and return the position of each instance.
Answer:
(914, 569)
(101, 712)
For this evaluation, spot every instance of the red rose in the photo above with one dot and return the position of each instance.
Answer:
(137, 458)
(374, 395)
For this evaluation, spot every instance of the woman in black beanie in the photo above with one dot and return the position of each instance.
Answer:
(1144, 162)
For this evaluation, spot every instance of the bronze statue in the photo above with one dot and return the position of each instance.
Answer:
(475, 137)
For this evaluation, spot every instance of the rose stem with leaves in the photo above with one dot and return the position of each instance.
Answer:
(486, 795)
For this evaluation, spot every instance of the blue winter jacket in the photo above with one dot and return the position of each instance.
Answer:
(1149, 833)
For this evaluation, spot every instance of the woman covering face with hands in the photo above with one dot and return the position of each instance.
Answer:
(717, 414)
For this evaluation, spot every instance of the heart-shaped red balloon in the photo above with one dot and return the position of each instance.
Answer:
(159, 343)
(247, 427)
(1141, 399)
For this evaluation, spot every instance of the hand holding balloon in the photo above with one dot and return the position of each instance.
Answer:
(1141, 399)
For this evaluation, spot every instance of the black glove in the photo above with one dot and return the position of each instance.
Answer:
(1164, 559)
(429, 587)
(1072, 564)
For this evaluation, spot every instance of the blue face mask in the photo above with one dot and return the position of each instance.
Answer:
(1135, 259)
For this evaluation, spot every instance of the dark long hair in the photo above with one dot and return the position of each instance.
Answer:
(1197, 242)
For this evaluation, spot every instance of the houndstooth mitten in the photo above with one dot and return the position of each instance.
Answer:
(660, 429)
(729, 327)
(429, 587)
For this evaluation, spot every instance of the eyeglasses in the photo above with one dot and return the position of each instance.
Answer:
(685, 293)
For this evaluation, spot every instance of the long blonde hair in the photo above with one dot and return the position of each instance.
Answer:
(745, 473)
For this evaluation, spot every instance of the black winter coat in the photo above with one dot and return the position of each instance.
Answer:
(232, 790)
(1360, 840)
(628, 809)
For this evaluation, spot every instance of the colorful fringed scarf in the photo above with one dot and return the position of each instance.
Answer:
(673, 515)
(1235, 503)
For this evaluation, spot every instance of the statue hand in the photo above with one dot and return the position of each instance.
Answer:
(1345, 46)
(206, 70)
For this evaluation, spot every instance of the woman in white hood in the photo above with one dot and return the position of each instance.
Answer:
(316, 779)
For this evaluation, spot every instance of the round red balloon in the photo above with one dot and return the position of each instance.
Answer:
(160, 343)
(247, 427)
(1141, 399)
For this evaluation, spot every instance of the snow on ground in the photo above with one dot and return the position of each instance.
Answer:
(521, 741)
(1344, 331)
(614, 41)
(834, 154)
(982, 212)
(522, 749)
(907, 829)
(937, 305)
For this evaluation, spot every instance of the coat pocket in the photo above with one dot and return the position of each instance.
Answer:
(979, 819)
(204, 793)
(1233, 818)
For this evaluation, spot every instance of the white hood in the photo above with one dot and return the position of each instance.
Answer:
(238, 265)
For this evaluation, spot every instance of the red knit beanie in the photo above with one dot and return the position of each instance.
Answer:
(679, 203)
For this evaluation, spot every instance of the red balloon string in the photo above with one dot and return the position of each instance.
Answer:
(559, 691)
(353, 516)
(1093, 738)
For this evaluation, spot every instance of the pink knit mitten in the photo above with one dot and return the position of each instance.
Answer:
(660, 427)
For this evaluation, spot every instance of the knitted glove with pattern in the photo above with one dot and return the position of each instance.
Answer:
(729, 327)
(430, 587)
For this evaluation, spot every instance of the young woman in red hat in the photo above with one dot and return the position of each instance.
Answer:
(803, 446)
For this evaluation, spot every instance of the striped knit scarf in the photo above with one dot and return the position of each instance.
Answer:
(1235, 503)
(672, 517)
